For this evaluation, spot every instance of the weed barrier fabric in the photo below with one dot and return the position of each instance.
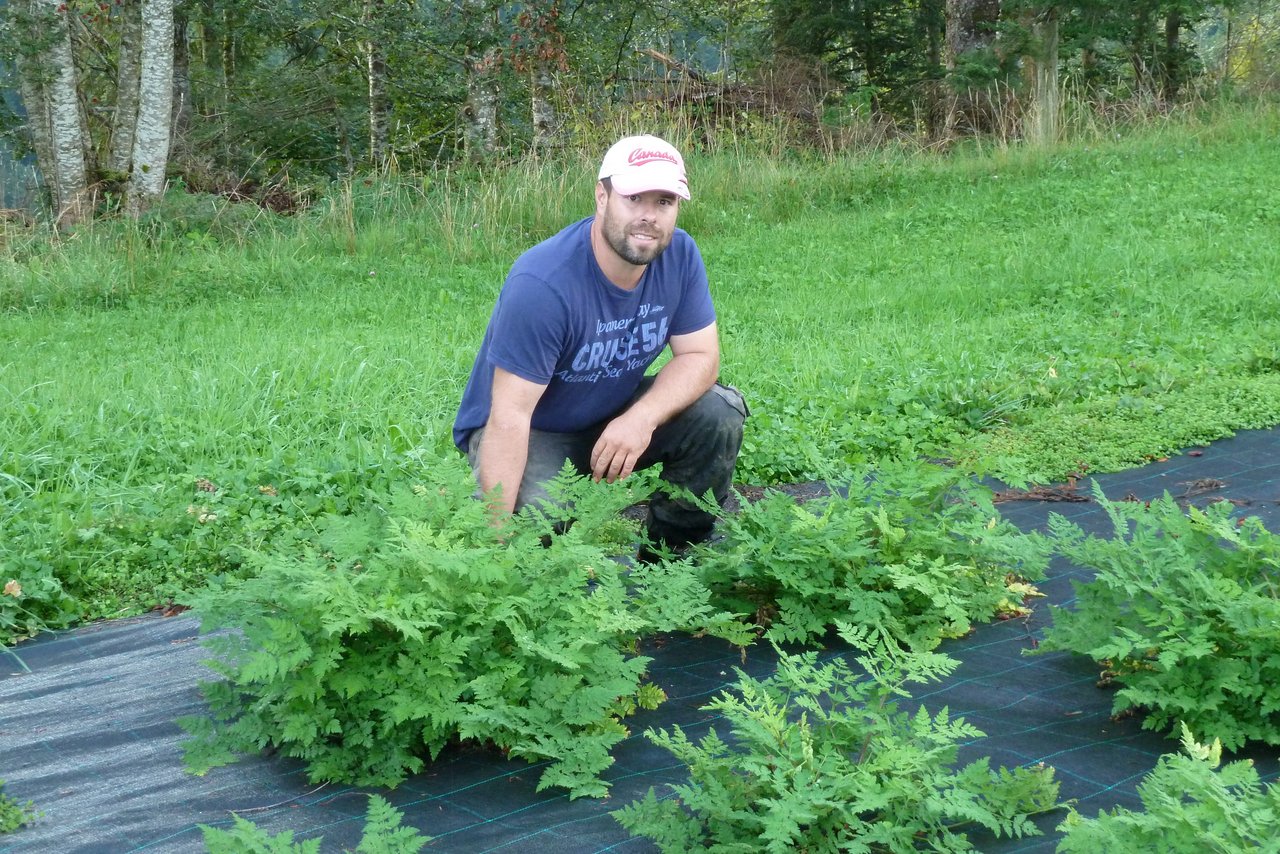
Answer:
(88, 717)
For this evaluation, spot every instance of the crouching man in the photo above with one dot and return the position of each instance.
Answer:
(560, 374)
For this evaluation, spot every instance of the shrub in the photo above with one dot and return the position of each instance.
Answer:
(1190, 806)
(914, 549)
(1182, 612)
(821, 760)
(394, 634)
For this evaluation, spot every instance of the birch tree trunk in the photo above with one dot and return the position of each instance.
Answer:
(1171, 66)
(155, 107)
(66, 175)
(32, 90)
(481, 112)
(543, 108)
(125, 122)
(376, 72)
(482, 108)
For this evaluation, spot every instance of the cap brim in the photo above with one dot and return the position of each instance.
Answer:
(651, 178)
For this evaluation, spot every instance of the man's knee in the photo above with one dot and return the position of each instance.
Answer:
(721, 411)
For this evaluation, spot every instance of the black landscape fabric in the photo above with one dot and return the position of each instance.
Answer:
(88, 717)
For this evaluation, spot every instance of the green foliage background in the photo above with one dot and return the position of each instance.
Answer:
(209, 381)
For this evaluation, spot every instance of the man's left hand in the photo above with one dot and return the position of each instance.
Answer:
(619, 447)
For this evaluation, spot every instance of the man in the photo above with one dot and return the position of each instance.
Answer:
(561, 370)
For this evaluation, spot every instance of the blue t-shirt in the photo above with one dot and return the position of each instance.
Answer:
(559, 322)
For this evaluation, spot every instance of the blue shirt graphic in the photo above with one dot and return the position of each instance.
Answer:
(559, 322)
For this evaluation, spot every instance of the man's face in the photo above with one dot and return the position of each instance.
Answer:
(638, 228)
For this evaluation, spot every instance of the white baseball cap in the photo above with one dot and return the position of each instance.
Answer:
(638, 164)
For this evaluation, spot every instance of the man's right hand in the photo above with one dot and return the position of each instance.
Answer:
(504, 446)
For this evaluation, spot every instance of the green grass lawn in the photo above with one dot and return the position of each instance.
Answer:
(1022, 313)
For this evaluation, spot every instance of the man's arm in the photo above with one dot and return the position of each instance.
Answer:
(694, 366)
(504, 447)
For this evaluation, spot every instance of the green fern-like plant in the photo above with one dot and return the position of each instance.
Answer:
(1183, 612)
(916, 549)
(383, 834)
(14, 814)
(1190, 806)
(823, 760)
(395, 634)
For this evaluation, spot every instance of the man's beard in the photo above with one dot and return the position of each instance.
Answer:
(617, 236)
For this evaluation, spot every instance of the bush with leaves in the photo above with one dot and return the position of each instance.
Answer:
(394, 634)
(383, 834)
(1183, 612)
(914, 549)
(823, 760)
(1190, 806)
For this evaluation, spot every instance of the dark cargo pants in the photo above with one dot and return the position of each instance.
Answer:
(697, 449)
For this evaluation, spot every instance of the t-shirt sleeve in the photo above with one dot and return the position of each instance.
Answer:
(528, 331)
(696, 310)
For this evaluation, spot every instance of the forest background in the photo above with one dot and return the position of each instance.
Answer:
(271, 101)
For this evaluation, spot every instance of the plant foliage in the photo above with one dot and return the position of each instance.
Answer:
(392, 635)
(1190, 806)
(1183, 612)
(822, 760)
(14, 814)
(915, 550)
(383, 834)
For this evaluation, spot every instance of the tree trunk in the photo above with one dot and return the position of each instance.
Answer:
(1045, 116)
(970, 26)
(124, 123)
(1171, 67)
(482, 107)
(227, 71)
(65, 175)
(376, 72)
(481, 112)
(155, 107)
(544, 110)
(33, 91)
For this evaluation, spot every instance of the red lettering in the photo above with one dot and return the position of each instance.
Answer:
(640, 156)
